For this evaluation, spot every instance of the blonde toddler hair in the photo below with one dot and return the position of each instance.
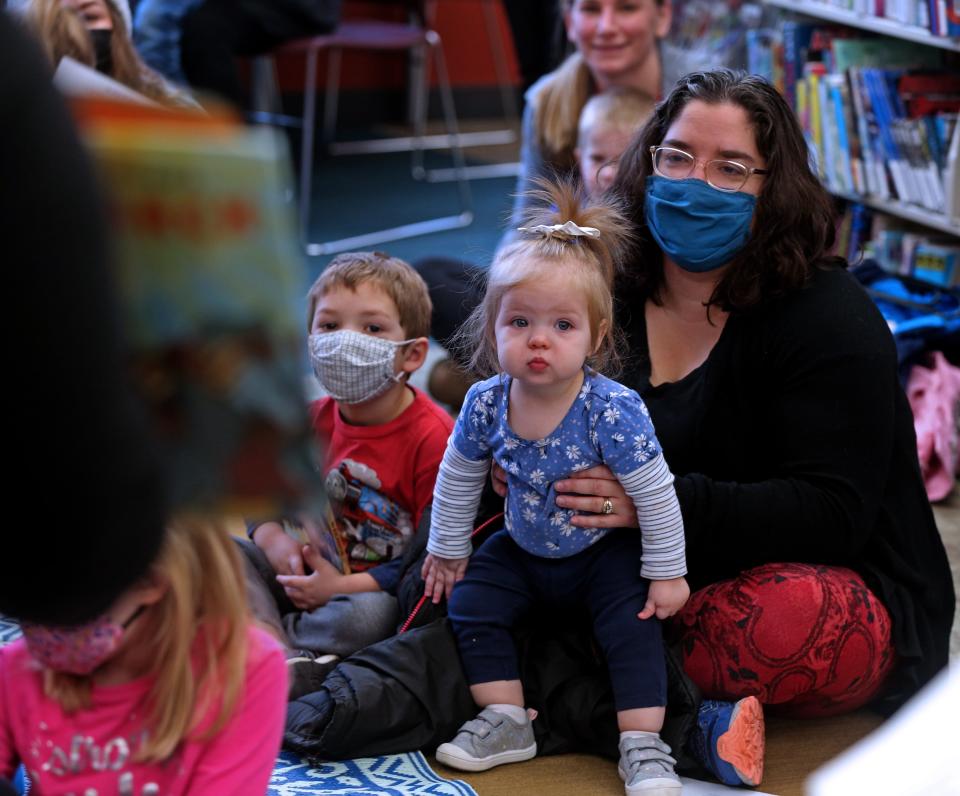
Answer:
(592, 264)
(204, 605)
(396, 278)
(619, 108)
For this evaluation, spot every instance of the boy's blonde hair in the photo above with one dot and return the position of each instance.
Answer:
(203, 609)
(620, 108)
(396, 278)
(592, 264)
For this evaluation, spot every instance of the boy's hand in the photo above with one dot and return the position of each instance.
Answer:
(311, 591)
(440, 575)
(665, 598)
(281, 549)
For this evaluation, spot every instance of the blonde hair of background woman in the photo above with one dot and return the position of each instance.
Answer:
(204, 604)
(558, 106)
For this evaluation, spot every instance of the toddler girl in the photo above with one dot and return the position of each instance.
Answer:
(545, 328)
(170, 691)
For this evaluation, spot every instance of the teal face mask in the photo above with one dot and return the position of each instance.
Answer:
(698, 227)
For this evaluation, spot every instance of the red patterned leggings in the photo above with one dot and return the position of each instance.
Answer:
(806, 640)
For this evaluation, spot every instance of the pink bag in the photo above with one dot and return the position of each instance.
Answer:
(934, 395)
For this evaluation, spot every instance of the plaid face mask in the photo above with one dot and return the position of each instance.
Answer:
(353, 367)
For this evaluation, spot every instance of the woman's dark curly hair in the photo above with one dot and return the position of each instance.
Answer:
(793, 224)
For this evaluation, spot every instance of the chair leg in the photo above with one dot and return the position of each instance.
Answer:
(332, 99)
(419, 96)
(306, 144)
(450, 115)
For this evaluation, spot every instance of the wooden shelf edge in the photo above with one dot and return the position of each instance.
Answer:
(887, 27)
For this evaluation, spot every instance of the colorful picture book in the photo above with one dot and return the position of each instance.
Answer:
(210, 277)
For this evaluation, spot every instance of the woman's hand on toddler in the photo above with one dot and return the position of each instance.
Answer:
(311, 591)
(280, 548)
(588, 491)
(498, 478)
(440, 575)
(665, 598)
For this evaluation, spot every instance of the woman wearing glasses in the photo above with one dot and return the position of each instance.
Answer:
(820, 580)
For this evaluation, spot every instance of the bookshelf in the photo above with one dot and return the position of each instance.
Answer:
(887, 27)
(821, 10)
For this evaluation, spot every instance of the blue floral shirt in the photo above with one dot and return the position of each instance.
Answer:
(606, 424)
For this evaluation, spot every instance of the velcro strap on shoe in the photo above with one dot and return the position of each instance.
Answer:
(644, 755)
(482, 725)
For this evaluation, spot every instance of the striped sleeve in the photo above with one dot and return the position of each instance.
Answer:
(651, 489)
(456, 497)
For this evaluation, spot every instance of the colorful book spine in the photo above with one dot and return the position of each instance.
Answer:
(952, 18)
(796, 39)
(844, 161)
(875, 80)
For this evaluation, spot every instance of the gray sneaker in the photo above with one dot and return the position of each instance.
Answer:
(489, 740)
(646, 767)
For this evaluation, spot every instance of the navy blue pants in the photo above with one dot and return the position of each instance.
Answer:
(503, 582)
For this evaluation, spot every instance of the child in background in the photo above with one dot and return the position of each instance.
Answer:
(382, 442)
(97, 34)
(608, 122)
(172, 690)
(545, 328)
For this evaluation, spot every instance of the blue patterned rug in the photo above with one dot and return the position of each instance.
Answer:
(9, 631)
(406, 774)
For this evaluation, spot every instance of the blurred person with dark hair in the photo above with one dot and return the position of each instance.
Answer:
(89, 510)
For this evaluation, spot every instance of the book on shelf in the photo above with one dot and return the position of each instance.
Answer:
(937, 260)
(951, 173)
(903, 248)
(878, 114)
(853, 231)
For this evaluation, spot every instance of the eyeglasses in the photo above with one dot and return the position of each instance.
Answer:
(724, 175)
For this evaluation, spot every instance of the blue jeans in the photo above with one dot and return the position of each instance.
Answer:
(156, 35)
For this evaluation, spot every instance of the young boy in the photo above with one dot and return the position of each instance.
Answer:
(607, 124)
(382, 442)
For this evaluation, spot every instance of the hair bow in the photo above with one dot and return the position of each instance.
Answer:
(567, 230)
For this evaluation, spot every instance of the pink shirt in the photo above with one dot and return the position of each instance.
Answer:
(90, 752)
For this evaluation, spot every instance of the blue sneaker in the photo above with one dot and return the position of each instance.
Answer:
(729, 740)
